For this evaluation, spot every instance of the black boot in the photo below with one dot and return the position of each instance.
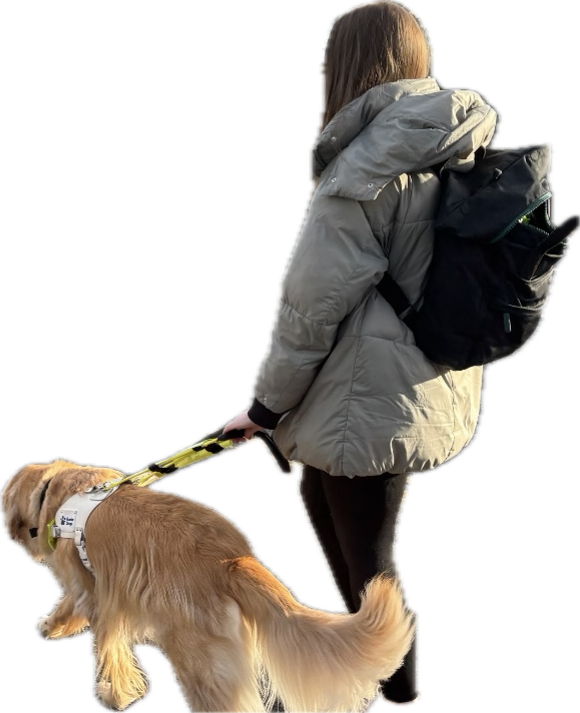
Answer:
(402, 686)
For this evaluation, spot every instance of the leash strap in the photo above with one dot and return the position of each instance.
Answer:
(210, 445)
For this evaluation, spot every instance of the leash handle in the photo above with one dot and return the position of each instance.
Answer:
(226, 436)
(263, 436)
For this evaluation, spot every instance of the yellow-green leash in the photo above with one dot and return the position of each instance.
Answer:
(210, 445)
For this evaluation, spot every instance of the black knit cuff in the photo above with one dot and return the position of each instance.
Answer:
(262, 416)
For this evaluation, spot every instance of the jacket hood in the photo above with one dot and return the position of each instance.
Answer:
(400, 127)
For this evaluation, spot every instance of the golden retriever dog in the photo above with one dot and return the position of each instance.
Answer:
(176, 573)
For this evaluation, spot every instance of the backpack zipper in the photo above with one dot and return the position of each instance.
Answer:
(507, 322)
(528, 211)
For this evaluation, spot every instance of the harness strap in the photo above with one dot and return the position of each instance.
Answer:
(34, 530)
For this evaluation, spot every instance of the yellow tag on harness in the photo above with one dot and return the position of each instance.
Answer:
(50, 537)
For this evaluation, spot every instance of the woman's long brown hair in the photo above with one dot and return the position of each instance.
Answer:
(370, 45)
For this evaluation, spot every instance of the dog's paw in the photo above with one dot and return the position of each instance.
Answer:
(51, 628)
(108, 698)
(48, 629)
(105, 695)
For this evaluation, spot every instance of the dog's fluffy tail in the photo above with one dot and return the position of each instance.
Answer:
(317, 661)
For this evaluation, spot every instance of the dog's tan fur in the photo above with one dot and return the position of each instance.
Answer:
(177, 573)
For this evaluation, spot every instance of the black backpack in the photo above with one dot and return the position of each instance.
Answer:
(494, 254)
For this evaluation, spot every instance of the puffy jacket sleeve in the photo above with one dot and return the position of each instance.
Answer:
(337, 259)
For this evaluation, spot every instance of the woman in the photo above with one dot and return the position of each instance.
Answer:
(344, 387)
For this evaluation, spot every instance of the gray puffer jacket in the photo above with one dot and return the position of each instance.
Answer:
(356, 396)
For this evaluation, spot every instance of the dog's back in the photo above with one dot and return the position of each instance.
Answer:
(166, 550)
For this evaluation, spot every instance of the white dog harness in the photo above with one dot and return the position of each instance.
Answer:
(71, 518)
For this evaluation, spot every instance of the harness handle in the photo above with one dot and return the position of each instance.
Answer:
(263, 436)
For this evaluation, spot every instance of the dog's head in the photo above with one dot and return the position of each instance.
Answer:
(22, 504)
(34, 494)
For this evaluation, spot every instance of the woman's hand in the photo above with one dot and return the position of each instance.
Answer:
(243, 422)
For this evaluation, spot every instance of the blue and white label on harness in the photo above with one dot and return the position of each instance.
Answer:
(67, 521)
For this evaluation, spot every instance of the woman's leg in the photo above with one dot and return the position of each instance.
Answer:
(318, 510)
(355, 520)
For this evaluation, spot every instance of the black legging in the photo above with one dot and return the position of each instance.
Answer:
(355, 520)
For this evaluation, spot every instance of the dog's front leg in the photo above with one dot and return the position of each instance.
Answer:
(120, 680)
(63, 621)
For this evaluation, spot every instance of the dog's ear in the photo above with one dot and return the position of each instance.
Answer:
(12, 514)
(15, 525)
(17, 501)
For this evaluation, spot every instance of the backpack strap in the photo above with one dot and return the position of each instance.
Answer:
(398, 300)
(390, 289)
